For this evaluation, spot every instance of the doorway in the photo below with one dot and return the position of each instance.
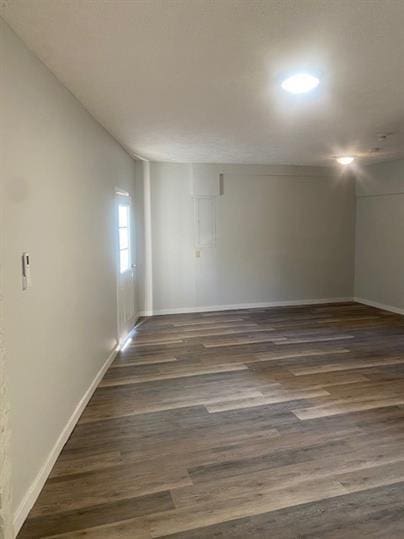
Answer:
(126, 267)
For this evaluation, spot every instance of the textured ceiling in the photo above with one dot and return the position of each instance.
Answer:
(198, 80)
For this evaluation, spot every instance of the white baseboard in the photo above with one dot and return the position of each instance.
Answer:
(34, 490)
(382, 306)
(208, 308)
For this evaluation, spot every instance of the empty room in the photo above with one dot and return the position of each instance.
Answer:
(201, 269)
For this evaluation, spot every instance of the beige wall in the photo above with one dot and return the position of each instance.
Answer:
(379, 265)
(5, 465)
(283, 234)
(59, 168)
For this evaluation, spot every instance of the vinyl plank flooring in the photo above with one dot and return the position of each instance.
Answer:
(375, 513)
(128, 529)
(347, 365)
(272, 423)
(256, 503)
(271, 398)
(130, 480)
(66, 522)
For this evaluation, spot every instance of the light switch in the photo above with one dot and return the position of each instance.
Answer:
(198, 253)
(26, 271)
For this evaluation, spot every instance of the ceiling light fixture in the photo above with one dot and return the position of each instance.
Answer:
(345, 159)
(300, 83)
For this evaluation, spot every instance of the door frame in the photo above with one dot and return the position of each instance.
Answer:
(120, 194)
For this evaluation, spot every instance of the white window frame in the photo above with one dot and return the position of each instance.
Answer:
(121, 196)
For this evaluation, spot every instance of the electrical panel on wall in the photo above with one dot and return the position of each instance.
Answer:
(205, 181)
(206, 187)
(205, 221)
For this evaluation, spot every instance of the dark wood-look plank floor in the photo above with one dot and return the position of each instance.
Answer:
(265, 423)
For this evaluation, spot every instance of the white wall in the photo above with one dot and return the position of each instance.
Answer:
(379, 267)
(283, 234)
(58, 172)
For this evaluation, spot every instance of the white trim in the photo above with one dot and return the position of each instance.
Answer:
(125, 198)
(204, 309)
(148, 243)
(382, 306)
(145, 313)
(34, 490)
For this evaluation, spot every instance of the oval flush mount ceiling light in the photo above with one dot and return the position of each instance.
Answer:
(345, 159)
(300, 83)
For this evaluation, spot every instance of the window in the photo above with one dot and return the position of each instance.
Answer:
(124, 240)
